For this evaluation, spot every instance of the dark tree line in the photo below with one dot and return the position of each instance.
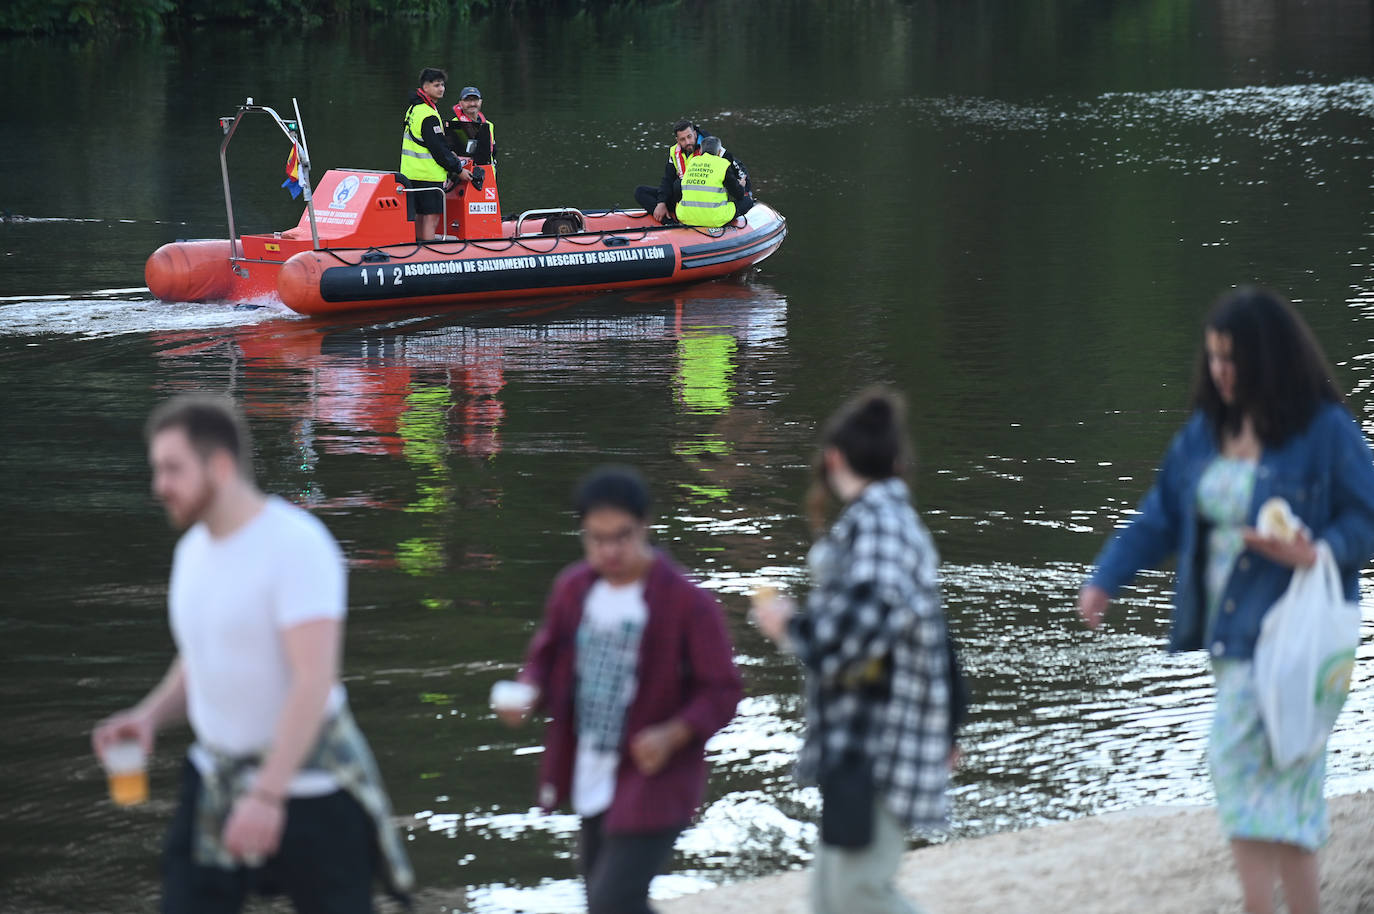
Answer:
(86, 17)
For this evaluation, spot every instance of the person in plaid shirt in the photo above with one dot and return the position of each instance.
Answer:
(881, 690)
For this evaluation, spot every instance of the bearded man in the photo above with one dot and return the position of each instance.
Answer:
(280, 792)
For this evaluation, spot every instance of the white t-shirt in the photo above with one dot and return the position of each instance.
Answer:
(613, 620)
(230, 600)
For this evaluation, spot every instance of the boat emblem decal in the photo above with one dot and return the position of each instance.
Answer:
(344, 192)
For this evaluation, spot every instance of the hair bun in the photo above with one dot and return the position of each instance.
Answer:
(876, 412)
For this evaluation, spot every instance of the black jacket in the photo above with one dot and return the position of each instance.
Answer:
(460, 132)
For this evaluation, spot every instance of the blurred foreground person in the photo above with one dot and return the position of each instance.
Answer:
(633, 667)
(1267, 421)
(280, 793)
(882, 687)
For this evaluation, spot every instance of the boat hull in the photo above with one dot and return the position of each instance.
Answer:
(204, 271)
(618, 251)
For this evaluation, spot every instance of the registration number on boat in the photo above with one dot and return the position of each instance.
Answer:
(478, 209)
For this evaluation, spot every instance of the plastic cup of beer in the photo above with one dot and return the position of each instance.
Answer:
(127, 770)
(508, 695)
(763, 595)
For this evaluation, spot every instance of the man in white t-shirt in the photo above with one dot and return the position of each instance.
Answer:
(257, 602)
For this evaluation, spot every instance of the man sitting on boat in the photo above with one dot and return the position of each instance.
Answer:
(688, 138)
(713, 188)
(470, 132)
(427, 160)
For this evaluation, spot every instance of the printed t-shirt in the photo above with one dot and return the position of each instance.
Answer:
(613, 621)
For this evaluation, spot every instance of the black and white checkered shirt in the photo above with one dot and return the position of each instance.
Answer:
(873, 642)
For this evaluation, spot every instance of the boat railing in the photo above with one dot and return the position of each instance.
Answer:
(556, 211)
(424, 190)
(295, 132)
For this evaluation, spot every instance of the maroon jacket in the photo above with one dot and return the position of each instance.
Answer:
(686, 670)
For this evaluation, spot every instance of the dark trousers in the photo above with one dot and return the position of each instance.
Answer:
(619, 868)
(324, 864)
(647, 198)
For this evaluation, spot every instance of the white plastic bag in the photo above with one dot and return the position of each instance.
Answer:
(1303, 660)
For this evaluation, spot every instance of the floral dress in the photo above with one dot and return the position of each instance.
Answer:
(1256, 801)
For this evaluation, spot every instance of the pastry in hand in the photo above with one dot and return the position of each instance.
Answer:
(1276, 520)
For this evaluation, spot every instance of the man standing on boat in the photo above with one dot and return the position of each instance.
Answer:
(470, 125)
(687, 142)
(279, 791)
(713, 192)
(427, 160)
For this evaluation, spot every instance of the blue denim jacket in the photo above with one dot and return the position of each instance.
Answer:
(1327, 475)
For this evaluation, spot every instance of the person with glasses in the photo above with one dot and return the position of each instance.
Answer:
(633, 668)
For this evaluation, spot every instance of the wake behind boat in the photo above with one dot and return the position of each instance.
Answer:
(357, 251)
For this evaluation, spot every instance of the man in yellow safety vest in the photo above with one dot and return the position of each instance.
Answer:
(427, 160)
(687, 140)
(712, 193)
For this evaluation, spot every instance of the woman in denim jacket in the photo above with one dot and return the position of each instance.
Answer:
(1268, 421)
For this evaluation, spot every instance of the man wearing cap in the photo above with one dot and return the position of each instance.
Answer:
(470, 126)
(688, 138)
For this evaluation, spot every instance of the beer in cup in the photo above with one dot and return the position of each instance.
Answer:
(126, 768)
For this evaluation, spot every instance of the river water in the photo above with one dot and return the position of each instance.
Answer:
(1016, 215)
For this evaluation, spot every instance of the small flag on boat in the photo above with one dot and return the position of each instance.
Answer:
(293, 173)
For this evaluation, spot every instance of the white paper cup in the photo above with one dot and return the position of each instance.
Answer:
(508, 695)
(127, 770)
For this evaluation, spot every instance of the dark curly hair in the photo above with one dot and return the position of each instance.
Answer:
(1282, 375)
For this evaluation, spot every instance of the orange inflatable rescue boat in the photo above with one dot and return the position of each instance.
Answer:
(358, 251)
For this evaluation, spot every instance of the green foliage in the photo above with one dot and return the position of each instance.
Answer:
(86, 17)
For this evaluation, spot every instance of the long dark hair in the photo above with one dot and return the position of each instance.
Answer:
(870, 431)
(1282, 376)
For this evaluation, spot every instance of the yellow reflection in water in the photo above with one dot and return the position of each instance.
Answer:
(422, 428)
(706, 363)
(706, 366)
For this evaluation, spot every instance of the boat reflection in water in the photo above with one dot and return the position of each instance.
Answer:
(445, 396)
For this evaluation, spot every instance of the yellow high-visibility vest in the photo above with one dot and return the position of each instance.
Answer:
(416, 162)
(704, 200)
(678, 158)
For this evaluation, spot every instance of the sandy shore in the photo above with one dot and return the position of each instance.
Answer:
(1166, 861)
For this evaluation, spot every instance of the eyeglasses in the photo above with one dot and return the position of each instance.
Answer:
(622, 537)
